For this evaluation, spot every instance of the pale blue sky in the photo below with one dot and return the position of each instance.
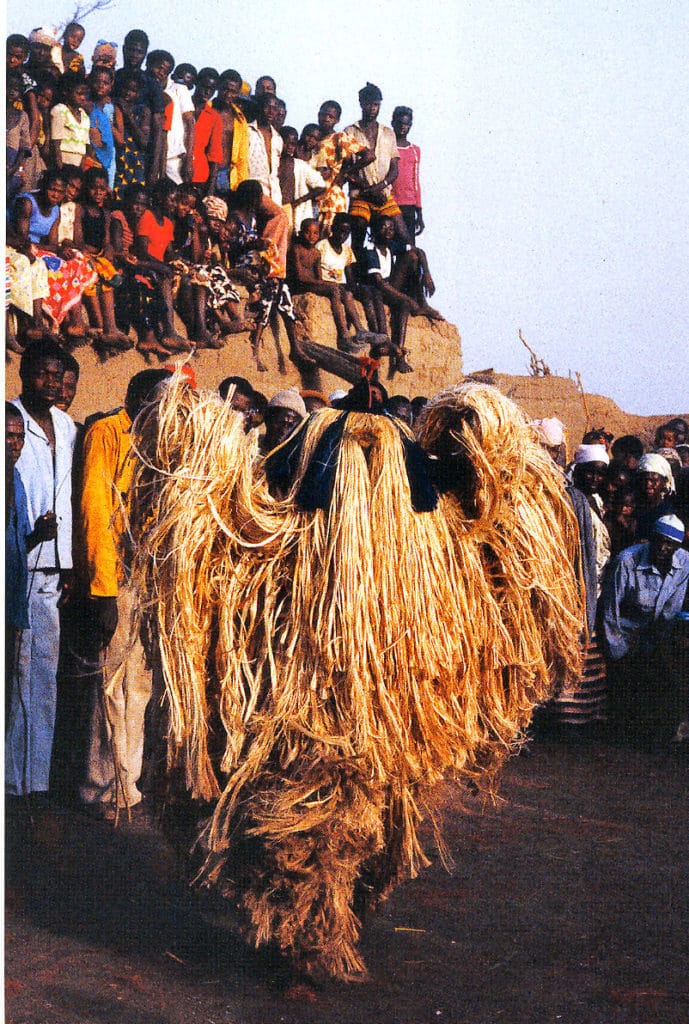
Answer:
(555, 139)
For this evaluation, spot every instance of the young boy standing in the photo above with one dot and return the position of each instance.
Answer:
(300, 183)
(406, 190)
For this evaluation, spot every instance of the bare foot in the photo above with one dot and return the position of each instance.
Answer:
(207, 340)
(240, 326)
(431, 313)
(76, 336)
(176, 343)
(117, 340)
(152, 347)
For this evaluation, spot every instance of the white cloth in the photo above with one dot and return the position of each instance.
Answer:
(48, 484)
(182, 103)
(551, 431)
(386, 151)
(591, 453)
(305, 178)
(654, 463)
(260, 167)
(334, 264)
(31, 722)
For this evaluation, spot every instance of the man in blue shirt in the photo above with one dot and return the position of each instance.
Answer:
(643, 596)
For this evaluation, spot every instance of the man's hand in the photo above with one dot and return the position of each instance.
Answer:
(45, 528)
(105, 617)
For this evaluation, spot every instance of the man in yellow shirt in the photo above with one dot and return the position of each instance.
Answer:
(118, 702)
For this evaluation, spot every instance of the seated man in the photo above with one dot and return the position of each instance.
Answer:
(400, 283)
(306, 275)
(642, 600)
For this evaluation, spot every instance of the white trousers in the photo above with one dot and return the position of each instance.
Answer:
(31, 724)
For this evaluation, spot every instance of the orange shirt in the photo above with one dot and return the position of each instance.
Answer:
(159, 235)
(207, 143)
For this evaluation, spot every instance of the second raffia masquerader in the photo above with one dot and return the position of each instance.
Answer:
(331, 656)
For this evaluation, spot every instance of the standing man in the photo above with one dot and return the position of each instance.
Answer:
(234, 167)
(407, 188)
(134, 50)
(45, 467)
(370, 190)
(178, 121)
(265, 147)
(643, 596)
(119, 700)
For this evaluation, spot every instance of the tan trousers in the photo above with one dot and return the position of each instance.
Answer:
(116, 732)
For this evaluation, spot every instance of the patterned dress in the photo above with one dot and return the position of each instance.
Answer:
(333, 152)
(130, 161)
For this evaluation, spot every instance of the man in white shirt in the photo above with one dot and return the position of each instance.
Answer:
(45, 466)
(370, 192)
(265, 147)
(180, 134)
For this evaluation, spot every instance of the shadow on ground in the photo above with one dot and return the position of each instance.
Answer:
(567, 903)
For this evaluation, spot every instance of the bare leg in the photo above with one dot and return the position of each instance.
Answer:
(256, 339)
(296, 350)
(203, 337)
(402, 231)
(350, 309)
(172, 341)
(359, 228)
(399, 317)
(332, 292)
(114, 337)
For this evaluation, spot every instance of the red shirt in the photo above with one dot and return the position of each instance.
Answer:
(407, 188)
(159, 235)
(207, 143)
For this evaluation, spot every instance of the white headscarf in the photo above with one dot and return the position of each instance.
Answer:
(654, 463)
(551, 431)
(591, 453)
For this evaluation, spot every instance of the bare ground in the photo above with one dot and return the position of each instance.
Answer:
(568, 902)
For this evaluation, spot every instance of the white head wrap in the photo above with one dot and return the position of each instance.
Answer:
(591, 453)
(654, 463)
(551, 431)
(46, 36)
(669, 526)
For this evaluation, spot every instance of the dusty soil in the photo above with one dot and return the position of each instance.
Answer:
(567, 903)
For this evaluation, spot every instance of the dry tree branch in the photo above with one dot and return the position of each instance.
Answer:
(83, 10)
(582, 394)
(537, 365)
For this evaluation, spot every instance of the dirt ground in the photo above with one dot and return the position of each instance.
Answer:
(568, 902)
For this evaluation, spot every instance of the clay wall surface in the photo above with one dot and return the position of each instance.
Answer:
(434, 351)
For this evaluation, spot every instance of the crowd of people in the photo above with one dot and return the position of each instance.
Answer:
(153, 191)
(71, 613)
(150, 190)
(632, 510)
